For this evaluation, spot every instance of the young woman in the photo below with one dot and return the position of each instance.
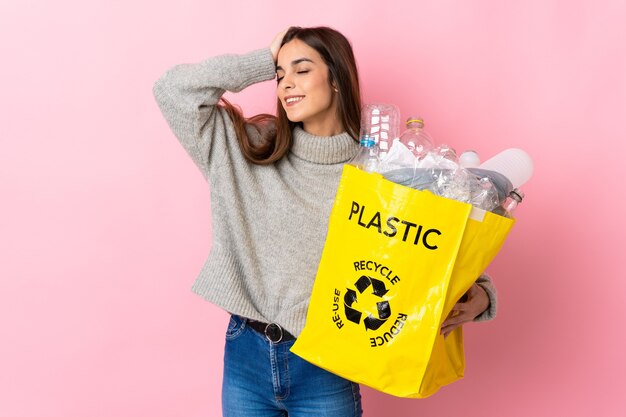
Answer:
(273, 181)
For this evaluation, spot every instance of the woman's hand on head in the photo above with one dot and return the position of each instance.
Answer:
(471, 305)
(275, 45)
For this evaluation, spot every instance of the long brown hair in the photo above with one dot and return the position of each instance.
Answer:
(275, 131)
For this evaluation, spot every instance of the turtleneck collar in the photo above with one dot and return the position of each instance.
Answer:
(323, 149)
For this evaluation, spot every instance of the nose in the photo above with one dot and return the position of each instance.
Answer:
(287, 82)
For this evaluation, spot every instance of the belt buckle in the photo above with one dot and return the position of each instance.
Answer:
(270, 332)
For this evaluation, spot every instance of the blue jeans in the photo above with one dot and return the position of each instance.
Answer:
(264, 379)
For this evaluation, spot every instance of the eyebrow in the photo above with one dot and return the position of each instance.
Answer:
(295, 62)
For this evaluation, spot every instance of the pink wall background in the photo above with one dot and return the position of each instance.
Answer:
(104, 220)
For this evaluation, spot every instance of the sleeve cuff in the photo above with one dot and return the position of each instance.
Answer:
(256, 66)
(486, 283)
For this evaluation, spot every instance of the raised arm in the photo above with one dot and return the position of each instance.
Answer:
(187, 95)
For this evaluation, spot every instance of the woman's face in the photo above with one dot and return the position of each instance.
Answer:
(304, 89)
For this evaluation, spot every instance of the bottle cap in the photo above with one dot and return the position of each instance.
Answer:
(517, 195)
(367, 141)
(469, 159)
(415, 119)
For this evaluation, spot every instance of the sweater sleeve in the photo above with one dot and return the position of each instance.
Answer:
(487, 284)
(187, 95)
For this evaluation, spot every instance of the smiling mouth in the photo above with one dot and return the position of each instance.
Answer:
(290, 101)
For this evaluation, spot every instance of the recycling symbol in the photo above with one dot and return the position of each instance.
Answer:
(378, 289)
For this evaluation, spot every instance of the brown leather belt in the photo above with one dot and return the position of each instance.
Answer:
(272, 331)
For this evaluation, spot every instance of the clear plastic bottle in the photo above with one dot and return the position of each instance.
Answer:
(446, 152)
(382, 122)
(514, 163)
(469, 159)
(510, 203)
(367, 159)
(415, 138)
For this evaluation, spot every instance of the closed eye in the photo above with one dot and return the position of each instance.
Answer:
(279, 78)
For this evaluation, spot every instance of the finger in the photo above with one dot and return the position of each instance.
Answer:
(458, 319)
(448, 329)
(276, 42)
(451, 326)
(280, 35)
(452, 313)
(453, 321)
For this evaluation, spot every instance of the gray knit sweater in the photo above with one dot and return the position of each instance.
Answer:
(269, 222)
